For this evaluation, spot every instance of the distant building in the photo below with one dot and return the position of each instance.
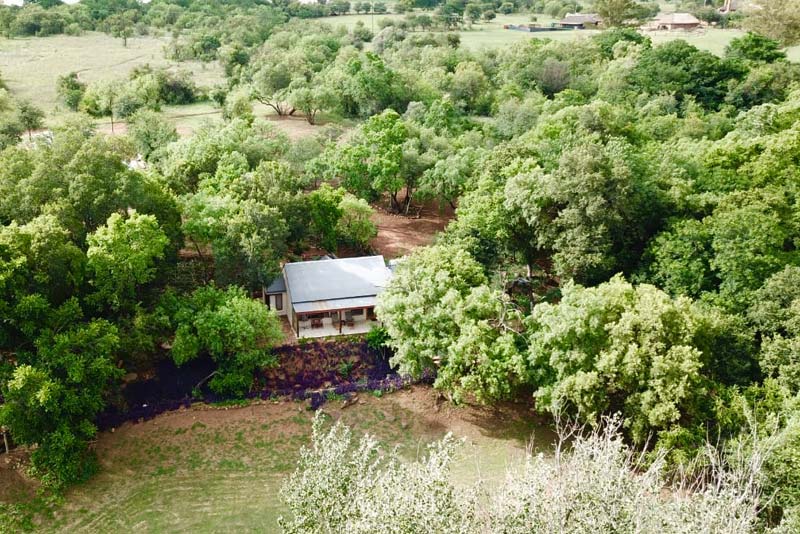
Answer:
(579, 21)
(676, 21)
(329, 297)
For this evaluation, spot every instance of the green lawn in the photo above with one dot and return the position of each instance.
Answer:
(31, 66)
(220, 470)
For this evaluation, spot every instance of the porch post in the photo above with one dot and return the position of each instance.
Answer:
(340, 320)
(297, 324)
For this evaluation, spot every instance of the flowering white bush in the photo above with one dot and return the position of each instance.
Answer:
(339, 488)
(594, 485)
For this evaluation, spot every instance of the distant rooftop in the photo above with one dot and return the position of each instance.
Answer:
(581, 18)
(339, 283)
(677, 18)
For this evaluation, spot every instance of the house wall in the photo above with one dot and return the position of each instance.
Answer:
(272, 302)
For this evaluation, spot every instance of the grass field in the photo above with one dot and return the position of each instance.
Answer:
(31, 66)
(220, 470)
(492, 35)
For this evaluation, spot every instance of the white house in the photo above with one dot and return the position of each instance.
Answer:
(329, 297)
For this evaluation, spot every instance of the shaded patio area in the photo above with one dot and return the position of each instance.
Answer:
(336, 323)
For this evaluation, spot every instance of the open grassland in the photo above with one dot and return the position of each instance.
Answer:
(492, 35)
(219, 470)
(31, 66)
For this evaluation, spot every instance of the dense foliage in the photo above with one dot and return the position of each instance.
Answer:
(625, 236)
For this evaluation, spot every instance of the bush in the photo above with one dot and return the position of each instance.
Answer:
(597, 485)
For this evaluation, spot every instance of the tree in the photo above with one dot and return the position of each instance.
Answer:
(151, 133)
(472, 12)
(776, 315)
(776, 19)
(607, 39)
(40, 259)
(122, 25)
(10, 126)
(382, 136)
(122, 257)
(247, 237)
(448, 178)
(417, 306)
(632, 349)
(469, 87)
(238, 105)
(325, 210)
(679, 68)
(235, 330)
(679, 259)
(754, 47)
(71, 90)
(310, 98)
(365, 85)
(616, 12)
(355, 226)
(590, 211)
(271, 84)
(30, 117)
(52, 400)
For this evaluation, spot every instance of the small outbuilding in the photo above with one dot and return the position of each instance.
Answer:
(579, 21)
(676, 21)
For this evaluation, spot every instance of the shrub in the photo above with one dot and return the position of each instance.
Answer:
(598, 484)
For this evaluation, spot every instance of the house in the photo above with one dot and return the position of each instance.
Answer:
(579, 21)
(329, 297)
(676, 21)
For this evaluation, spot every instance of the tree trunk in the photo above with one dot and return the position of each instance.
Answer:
(277, 107)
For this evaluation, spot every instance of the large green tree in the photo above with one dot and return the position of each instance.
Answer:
(235, 330)
(417, 306)
(636, 350)
(54, 395)
(122, 257)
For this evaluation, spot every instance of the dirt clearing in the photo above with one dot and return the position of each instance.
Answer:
(399, 234)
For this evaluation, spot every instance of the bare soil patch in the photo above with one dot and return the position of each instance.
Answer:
(400, 234)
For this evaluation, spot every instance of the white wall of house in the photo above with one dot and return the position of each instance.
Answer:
(279, 302)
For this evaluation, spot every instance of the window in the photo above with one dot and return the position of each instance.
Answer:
(358, 312)
(279, 301)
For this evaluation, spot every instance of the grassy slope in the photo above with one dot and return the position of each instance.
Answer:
(31, 66)
(221, 470)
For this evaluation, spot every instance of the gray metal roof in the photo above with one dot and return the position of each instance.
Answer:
(343, 278)
(278, 285)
